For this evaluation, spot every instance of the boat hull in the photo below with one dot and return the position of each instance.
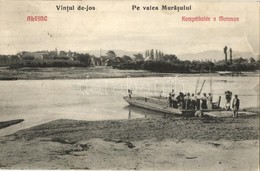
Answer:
(160, 105)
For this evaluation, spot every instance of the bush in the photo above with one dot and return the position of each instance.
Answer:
(130, 65)
(161, 66)
(47, 63)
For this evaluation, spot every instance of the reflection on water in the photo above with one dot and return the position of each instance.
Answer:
(39, 101)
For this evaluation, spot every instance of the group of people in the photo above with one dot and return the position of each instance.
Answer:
(190, 101)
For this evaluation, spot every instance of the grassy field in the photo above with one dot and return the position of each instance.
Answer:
(70, 73)
(243, 128)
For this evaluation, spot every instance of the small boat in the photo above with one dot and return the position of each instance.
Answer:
(229, 73)
(225, 73)
(160, 105)
(9, 123)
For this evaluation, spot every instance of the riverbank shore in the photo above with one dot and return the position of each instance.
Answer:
(150, 143)
(87, 73)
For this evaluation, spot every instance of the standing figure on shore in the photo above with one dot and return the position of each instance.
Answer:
(228, 95)
(235, 106)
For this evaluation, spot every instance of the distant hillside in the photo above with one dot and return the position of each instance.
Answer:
(119, 53)
(213, 55)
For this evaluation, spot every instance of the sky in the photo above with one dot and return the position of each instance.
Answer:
(114, 25)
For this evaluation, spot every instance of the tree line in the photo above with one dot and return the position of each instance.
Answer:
(154, 60)
(78, 60)
(170, 63)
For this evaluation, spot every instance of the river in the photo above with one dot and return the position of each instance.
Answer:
(40, 101)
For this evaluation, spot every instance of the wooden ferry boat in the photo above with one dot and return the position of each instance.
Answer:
(161, 105)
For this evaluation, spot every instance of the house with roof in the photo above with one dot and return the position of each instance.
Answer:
(96, 61)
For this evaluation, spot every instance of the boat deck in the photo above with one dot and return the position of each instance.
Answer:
(159, 104)
(152, 104)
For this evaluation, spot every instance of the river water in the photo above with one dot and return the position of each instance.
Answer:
(40, 101)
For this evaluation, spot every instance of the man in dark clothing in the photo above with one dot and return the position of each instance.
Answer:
(170, 100)
(197, 101)
(187, 100)
(235, 106)
(204, 101)
(174, 101)
(193, 102)
(180, 101)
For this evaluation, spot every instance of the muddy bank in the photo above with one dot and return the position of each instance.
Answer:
(153, 143)
(147, 154)
(60, 73)
(243, 128)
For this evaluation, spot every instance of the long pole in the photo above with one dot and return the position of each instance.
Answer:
(198, 80)
(202, 86)
(211, 90)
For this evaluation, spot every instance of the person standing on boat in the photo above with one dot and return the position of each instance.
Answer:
(204, 101)
(187, 100)
(197, 97)
(180, 100)
(174, 101)
(209, 101)
(170, 100)
(235, 106)
(193, 102)
(184, 104)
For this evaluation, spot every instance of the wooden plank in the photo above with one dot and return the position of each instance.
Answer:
(228, 114)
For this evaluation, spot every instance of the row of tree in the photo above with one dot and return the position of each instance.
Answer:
(80, 60)
(154, 54)
(164, 62)
(170, 63)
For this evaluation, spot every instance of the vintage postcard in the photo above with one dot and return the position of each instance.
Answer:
(129, 85)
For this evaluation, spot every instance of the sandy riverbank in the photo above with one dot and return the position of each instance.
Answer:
(60, 73)
(151, 143)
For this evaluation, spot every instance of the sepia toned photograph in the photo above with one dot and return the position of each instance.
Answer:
(129, 85)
